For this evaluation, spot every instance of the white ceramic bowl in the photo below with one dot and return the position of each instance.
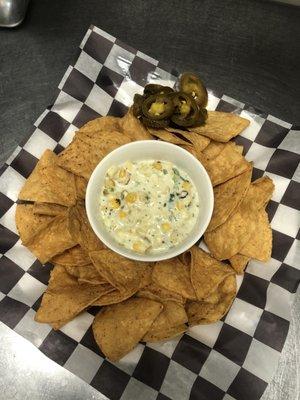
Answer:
(157, 150)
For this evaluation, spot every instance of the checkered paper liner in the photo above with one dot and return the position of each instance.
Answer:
(234, 358)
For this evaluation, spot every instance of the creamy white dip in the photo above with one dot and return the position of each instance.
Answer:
(148, 206)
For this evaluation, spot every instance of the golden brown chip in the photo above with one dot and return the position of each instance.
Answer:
(186, 257)
(86, 274)
(82, 156)
(165, 334)
(28, 223)
(115, 296)
(118, 328)
(206, 312)
(175, 276)
(60, 279)
(228, 164)
(121, 272)
(53, 239)
(157, 293)
(222, 126)
(264, 188)
(172, 315)
(49, 183)
(81, 230)
(66, 304)
(167, 136)
(65, 298)
(206, 272)
(227, 197)
(80, 184)
(199, 142)
(259, 245)
(49, 209)
(133, 127)
(57, 325)
(239, 148)
(93, 128)
(227, 240)
(79, 158)
(213, 149)
(74, 257)
(239, 263)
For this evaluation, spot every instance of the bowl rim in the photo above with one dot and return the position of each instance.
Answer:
(169, 253)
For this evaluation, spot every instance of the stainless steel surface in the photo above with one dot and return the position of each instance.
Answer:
(12, 12)
(26, 374)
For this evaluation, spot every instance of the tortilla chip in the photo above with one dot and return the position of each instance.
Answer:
(57, 325)
(118, 328)
(264, 188)
(53, 239)
(86, 274)
(49, 209)
(48, 183)
(213, 149)
(259, 245)
(175, 276)
(172, 315)
(166, 334)
(133, 127)
(222, 126)
(227, 197)
(228, 164)
(93, 128)
(65, 298)
(82, 156)
(65, 305)
(207, 312)
(206, 272)
(227, 240)
(80, 184)
(166, 136)
(28, 223)
(198, 141)
(157, 293)
(60, 279)
(79, 158)
(239, 148)
(115, 296)
(74, 257)
(239, 263)
(122, 273)
(81, 230)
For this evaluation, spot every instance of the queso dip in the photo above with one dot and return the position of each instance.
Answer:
(148, 206)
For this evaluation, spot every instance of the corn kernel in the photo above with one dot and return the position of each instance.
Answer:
(122, 173)
(122, 214)
(179, 205)
(165, 226)
(131, 197)
(157, 165)
(186, 185)
(137, 246)
(114, 203)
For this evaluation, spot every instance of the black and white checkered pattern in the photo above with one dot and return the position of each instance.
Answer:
(232, 359)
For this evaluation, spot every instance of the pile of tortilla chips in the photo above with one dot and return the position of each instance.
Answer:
(142, 301)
